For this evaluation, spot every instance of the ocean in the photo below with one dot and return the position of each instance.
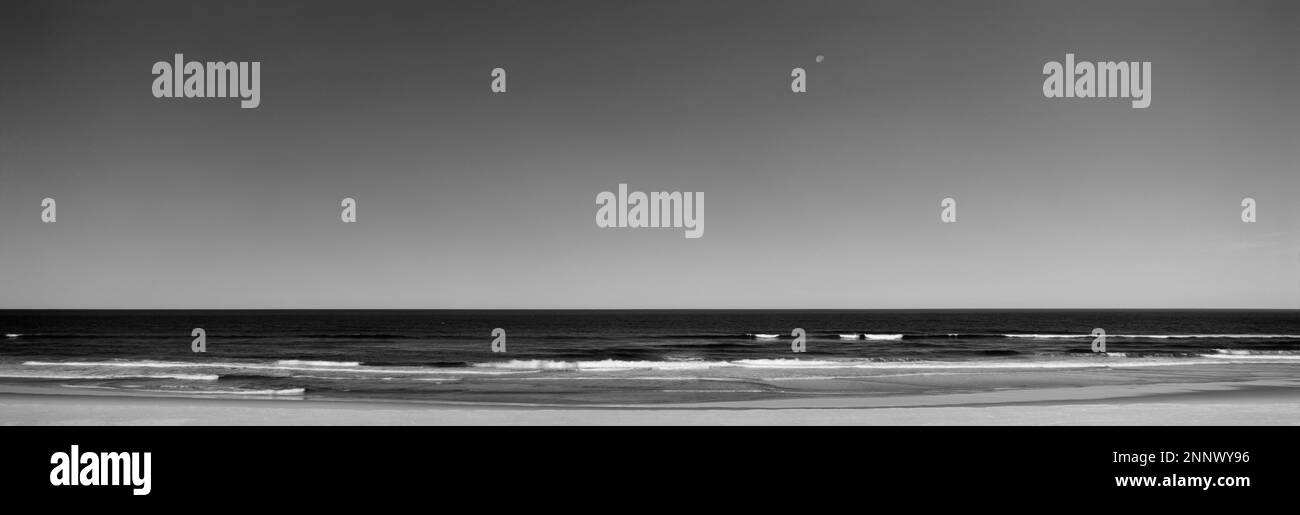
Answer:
(604, 356)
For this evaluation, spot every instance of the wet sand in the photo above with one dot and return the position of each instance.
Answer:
(1261, 395)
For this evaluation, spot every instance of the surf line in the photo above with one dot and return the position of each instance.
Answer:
(656, 209)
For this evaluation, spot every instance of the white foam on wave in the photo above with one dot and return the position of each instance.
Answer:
(351, 371)
(335, 367)
(765, 336)
(1113, 359)
(1109, 360)
(307, 363)
(1246, 354)
(183, 377)
(286, 392)
(612, 378)
(280, 392)
(1156, 336)
(883, 336)
(1003, 365)
(1250, 352)
(135, 364)
(1238, 336)
(853, 336)
(12, 335)
(750, 390)
(789, 363)
(914, 365)
(603, 365)
(1047, 336)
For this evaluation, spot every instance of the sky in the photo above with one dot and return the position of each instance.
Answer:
(824, 199)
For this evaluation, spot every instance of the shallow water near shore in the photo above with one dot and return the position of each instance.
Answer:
(633, 357)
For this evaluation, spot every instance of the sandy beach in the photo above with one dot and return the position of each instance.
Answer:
(1267, 396)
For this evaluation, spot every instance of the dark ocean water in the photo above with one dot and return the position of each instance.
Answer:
(437, 355)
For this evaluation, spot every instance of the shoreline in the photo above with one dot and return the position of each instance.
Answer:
(1271, 401)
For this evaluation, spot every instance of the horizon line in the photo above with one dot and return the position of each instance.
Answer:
(668, 309)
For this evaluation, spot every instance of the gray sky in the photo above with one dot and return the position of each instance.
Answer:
(828, 199)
